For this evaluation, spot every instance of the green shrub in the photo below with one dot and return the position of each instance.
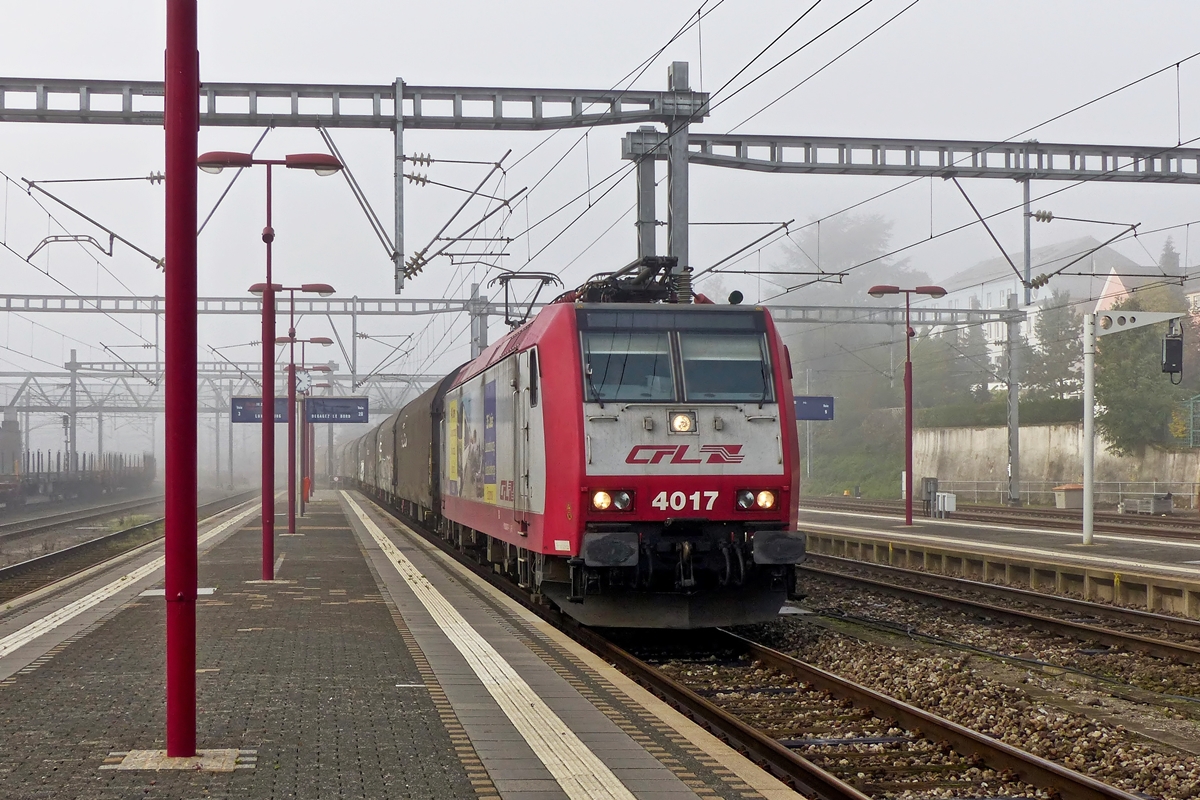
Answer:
(877, 478)
(1033, 411)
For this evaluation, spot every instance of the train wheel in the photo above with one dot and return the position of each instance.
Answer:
(727, 573)
(740, 557)
(645, 567)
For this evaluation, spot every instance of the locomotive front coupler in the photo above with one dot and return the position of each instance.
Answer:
(685, 576)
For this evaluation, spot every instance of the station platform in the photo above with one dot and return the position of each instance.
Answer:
(1156, 572)
(372, 667)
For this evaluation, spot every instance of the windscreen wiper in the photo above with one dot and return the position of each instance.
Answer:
(762, 367)
(587, 371)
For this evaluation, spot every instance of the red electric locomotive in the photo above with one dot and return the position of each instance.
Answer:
(630, 456)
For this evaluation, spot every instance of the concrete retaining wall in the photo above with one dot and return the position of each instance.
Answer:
(1048, 453)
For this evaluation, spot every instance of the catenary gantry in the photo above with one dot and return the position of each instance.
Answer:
(397, 105)
(941, 158)
(283, 105)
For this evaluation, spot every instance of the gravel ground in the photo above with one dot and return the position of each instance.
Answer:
(20, 548)
(920, 579)
(951, 687)
(929, 619)
(27, 547)
(903, 765)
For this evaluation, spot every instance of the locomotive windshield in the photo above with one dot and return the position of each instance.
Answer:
(724, 367)
(634, 356)
(628, 366)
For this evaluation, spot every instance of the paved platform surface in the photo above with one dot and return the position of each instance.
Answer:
(1176, 557)
(371, 668)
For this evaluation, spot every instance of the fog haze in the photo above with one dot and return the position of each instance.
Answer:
(942, 69)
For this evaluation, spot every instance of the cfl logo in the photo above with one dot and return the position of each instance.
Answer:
(722, 453)
(679, 454)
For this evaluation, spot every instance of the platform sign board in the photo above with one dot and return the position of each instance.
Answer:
(249, 409)
(814, 408)
(336, 409)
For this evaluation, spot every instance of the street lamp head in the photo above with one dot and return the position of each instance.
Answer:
(283, 339)
(324, 341)
(320, 163)
(880, 291)
(321, 368)
(323, 289)
(218, 160)
(257, 289)
(933, 291)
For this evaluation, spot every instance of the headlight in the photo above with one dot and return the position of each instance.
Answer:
(618, 500)
(755, 500)
(683, 422)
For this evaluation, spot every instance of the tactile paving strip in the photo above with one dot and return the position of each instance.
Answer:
(674, 751)
(679, 755)
(477, 773)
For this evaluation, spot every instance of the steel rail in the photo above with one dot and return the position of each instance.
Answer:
(767, 752)
(1008, 512)
(34, 525)
(46, 563)
(799, 773)
(1150, 619)
(1032, 769)
(1058, 519)
(1160, 648)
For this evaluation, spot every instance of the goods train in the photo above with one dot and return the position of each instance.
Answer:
(39, 476)
(627, 453)
(44, 477)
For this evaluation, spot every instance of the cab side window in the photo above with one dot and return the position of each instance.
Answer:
(533, 379)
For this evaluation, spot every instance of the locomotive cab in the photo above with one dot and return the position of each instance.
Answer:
(688, 509)
(625, 452)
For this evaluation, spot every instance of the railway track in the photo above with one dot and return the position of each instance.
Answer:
(28, 576)
(835, 740)
(1063, 519)
(1084, 630)
(875, 744)
(1185, 629)
(22, 528)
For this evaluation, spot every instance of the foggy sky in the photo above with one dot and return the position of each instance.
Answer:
(944, 69)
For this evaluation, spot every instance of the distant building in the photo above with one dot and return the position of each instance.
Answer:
(1099, 276)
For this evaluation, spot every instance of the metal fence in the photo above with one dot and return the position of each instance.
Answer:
(1041, 493)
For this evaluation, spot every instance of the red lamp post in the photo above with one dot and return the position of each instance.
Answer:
(181, 117)
(324, 290)
(307, 447)
(329, 451)
(934, 292)
(321, 164)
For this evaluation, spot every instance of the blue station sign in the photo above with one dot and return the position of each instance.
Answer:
(249, 409)
(336, 409)
(814, 408)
